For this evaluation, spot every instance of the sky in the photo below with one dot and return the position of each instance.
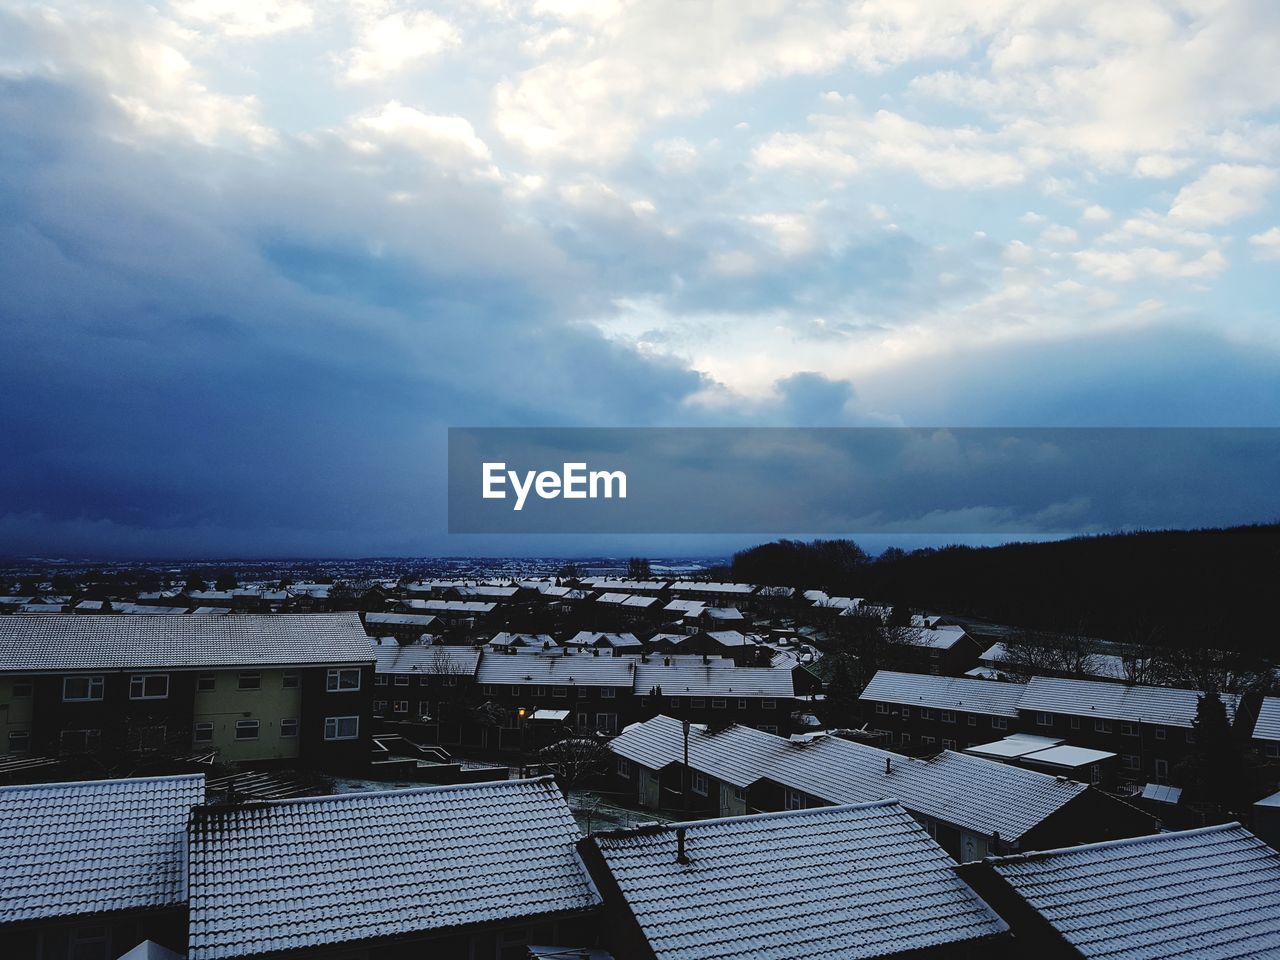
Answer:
(256, 257)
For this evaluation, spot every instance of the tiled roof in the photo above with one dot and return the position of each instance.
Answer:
(570, 670)
(690, 677)
(944, 693)
(300, 874)
(71, 849)
(428, 659)
(979, 795)
(60, 642)
(1268, 725)
(590, 638)
(1170, 706)
(1210, 894)
(698, 586)
(836, 882)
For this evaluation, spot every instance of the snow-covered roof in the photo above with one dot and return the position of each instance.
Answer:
(150, 950)
(1204, 894)
(1016, 745)
(401, 619)
(939, 638)
(983, 796)
(592, 638)
(426, 659)
(61, 642)
(1067, 756)
(944, 693)
(1170, 706)
(301, 874)
(691, 677)
(726, 589)
(835, 882)
(73, 849)
(1268, 725)
(537, 640)
(450, 606)
(582, 670)
(1105, 665)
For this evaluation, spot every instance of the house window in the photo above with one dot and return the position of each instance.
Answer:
(289, 681)
(402, 681)
(341, 679)
(425, 681)
(450, 680)
(1161, 733)
(906, 713)
(379, 706)
(249, 681)
(607, 722)
(19, 740)
(719, 704)
(926, 713)
(795, 800)
(948, 716)
(89, 943)
(21, 689)
(1273, 750)
(768, 727)
(424, 708)
(538, 692)
(928, 741)
(1162, 770)
(205, 683)
(608, 693)
(82, 688)
(1128, 729)
(999, 723)
(488, 690)
(700, 782)
(202, 732)
(247, 729)
(624, 767)
(381, 680)
(971, 720)
(948, 744)
(1095, 774)
(1102, 726)
(341, 728)
(79, 741)
(742, 704)
(402, 706)
(559, 692)
(882, 709)
(149, 686)
(289, 727)
(1044, 719)
(1132, 762)
(768, 704)
(1075, 723)
(906, 739)
(697, 703)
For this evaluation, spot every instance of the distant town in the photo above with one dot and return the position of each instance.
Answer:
(625, 758)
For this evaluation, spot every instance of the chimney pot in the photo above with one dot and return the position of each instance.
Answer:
(681, 856)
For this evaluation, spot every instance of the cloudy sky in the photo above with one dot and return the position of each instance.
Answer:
(256, 256)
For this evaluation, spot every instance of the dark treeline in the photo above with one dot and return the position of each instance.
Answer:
(1194, 587)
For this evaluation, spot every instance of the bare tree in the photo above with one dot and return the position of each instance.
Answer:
(576, 759)
(1030, 653)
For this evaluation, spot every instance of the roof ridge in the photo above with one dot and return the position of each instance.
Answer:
(652, 828)
(1035, 855)
(90, 783)
(402, 791)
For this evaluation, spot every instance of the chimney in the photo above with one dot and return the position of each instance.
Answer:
(681, 856)
(888, 765)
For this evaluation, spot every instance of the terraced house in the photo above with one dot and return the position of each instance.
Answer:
(268, 688)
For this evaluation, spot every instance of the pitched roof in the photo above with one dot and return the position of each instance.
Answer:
(1268, 725)
(835, 882)
(71, 849)
(427, 659)
(299, 874)
(1207, 893)
(1170, 706)
(969, 792)
(944, 693)
(74, 641)
(690, 677)
(567, 670)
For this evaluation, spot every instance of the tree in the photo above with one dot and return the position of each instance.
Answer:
(226, 581)
(638, 569)
(1217, 775)
(568, 572)
(840, 708)
(576, 759)
(194, 581)
(1032, 653)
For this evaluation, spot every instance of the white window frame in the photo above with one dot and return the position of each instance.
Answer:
(1131, 761)
(380, 680)
(1101, 725)
(289, 727)
(699, 783)
(624, 767)
(999, 723)
(94, 683)
(401, 680)
(608, 693)
(246, 726)
(290, 681)
(796, 800)
(768, 704)
(882, 709)
(202, 726)
(206, 683)
(138, 686)
(948, 716)
(1044, 719)
(905, 713)
(1161, 733)
(332, 728)
(338, 680)
(400, 706)
(719, 704)
(698, 703)
(1128, 728)
(249, 680)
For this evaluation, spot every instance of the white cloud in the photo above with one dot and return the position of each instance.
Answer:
(448, 141)
(1123, 266)
(1059, 235)
(1095, 214)
(246, 18)
(1150, 226)
(1223, 193)
(1160, 166)
(1266, 245)
(398, 41)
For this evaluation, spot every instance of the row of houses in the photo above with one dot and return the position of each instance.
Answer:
(499, 870)
(1147, 730)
